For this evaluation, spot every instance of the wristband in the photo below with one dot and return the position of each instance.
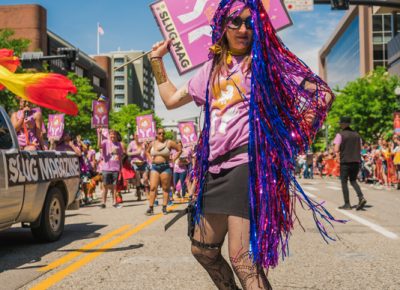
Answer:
(159, 70)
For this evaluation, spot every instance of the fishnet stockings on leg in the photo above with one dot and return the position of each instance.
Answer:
(212, 231)
(217, 267)
(250, 275)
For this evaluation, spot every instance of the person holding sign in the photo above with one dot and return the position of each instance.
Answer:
(159, 152)
(28, 124)
(263, 107)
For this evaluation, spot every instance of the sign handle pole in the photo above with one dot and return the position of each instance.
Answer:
(132, 60)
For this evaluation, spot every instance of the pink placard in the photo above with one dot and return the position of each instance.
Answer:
(188, 134)
(145, 128)
(99, 114)
(187, 22)
(55, 126)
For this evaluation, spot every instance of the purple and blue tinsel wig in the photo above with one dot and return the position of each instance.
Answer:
(288, 105)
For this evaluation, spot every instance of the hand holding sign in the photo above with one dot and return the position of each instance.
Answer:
(160, 48)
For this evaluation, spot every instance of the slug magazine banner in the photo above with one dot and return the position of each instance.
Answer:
(187, 22)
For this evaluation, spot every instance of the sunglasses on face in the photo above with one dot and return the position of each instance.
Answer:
(236, 23)
(160, 133)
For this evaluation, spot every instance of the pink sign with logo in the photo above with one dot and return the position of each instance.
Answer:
(55, 126)
(145, 128)
(187, 22)
(100, 114)
(188, 134)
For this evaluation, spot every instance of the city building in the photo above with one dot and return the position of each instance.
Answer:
(133, 83)
(30, 22)
(359, 44)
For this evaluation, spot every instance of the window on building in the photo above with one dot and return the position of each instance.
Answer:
(79, 71)
(119, 87)
(377, 23)
(119, 79)
(119, 61)
(96, 81)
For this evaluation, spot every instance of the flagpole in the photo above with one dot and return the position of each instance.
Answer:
(98, 40)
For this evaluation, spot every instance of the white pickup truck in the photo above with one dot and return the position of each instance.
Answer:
(36, 187)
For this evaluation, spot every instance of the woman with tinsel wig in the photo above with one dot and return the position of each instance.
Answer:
(263, 106)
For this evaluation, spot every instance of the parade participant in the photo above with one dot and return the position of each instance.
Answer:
(112, 151)
(263, 107)
(137, 152)
(159, 152)
(348, 145)
(28, 125)
(181, 170)
(66, 143)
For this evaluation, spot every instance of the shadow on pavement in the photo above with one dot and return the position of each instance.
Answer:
(130, 247)
(18, 247)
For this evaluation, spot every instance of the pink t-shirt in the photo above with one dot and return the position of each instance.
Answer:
(133, 148)
(229, 111)
(186, 155)
(112, 155)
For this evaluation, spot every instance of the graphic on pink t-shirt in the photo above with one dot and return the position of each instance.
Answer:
(229, 111)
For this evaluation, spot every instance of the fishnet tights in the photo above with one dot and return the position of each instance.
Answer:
(213, 230)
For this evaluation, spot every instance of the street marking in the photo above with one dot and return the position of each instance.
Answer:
(310, 188)
(60, 275)
(310, 195)
(334, 187)
(82, 250)
(372, 226)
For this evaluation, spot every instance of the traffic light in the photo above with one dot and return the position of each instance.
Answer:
(340, 4)
(72, 56)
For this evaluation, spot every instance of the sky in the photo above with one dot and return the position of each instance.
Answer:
(130, 25)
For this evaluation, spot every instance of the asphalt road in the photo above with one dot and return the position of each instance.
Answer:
(124, 249)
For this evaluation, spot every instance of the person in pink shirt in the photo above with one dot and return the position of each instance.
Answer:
(137, 153)
(112, 152)
(181, 169)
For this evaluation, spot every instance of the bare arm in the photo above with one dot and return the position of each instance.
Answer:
(172, 97)
(177, 147)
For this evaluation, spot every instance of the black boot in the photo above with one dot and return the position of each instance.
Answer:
(150, 211)
(361, 204)
(346, 206)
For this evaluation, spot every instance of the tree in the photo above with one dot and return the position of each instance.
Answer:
(19, 45)
(81, 124)
(128, 114)
(370, 102)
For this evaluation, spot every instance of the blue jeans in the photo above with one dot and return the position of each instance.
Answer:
(180, 177)
(161, 168)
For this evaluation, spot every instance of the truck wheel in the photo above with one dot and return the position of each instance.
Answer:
(52, 217)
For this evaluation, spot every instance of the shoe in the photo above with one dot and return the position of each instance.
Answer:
(102, 205)
(156, 203)
(150, 211)
(170, 202)
(164, 210)
(117, 205)
(361, 204)
(346, 206)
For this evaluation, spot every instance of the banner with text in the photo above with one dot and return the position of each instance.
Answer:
(188, 24)
(188, 134)
(100, 114)
(145, 128)
(55, 126)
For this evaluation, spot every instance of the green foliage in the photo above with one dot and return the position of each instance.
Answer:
(128, 114)
(81, 124)
(19, 45)
(370, 102)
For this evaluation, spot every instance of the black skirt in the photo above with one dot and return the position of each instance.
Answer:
(227, 192)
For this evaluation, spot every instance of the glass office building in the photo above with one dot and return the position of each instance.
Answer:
(358, 45)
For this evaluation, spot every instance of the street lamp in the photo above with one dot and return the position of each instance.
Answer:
(129, 132)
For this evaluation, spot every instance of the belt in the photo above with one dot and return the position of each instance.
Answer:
(230, 154)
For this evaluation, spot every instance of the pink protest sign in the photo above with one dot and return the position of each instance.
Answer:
(55, 126)
(188, 134)
(187, 22)
(145, 128)
(100, 114)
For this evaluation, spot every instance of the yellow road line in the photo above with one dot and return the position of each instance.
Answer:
(82, 250)
(60, 275)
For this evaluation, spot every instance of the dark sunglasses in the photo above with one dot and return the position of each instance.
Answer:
(161, 133)
(236, 23)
